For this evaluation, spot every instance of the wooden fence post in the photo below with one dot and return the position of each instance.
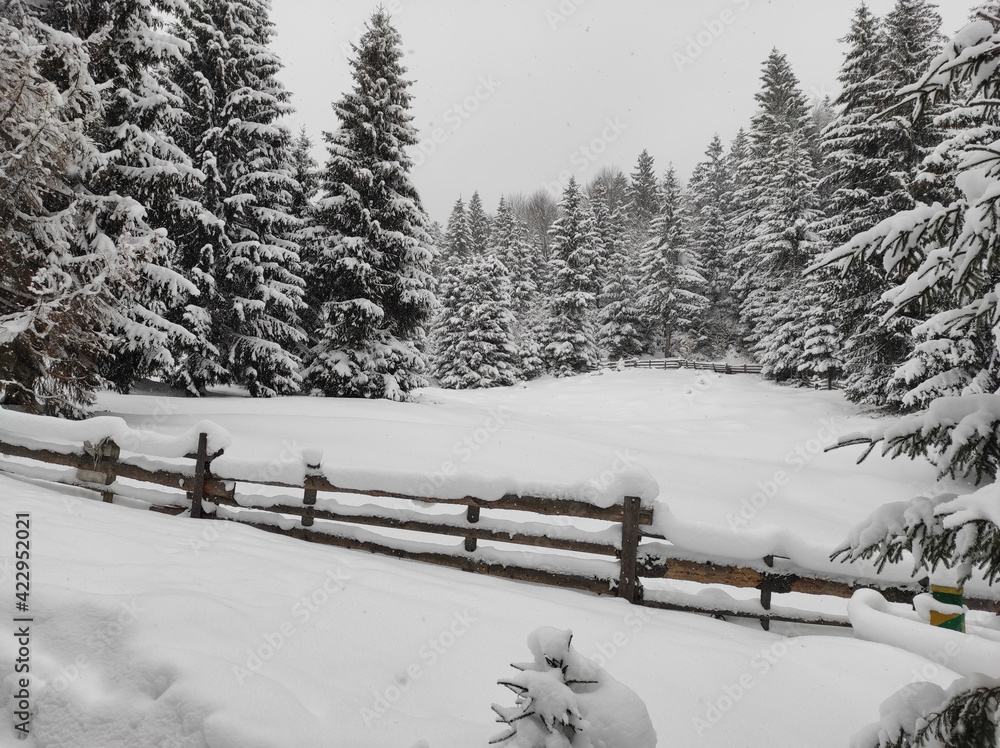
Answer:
(198, 490)
(105, 454)
(309, 495)
(309, 502)
(472, 515)
(628, 582)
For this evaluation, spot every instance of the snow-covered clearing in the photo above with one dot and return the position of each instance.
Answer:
(159, 631)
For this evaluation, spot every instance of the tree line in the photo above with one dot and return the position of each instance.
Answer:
(716, 267)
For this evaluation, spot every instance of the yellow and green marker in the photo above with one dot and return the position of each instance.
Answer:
(949, 596)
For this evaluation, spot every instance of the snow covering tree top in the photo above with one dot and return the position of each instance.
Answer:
(374, 258)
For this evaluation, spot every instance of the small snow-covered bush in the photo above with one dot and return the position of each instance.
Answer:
(924, 714)
(565, 700)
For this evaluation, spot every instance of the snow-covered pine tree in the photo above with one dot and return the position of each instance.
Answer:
(57, 303)
(822, 339)
(644, 192)
(608, 229)
(570, 332)
(872, 160)
(131, 183)
(710, 212)
(448, 324)
(621, 320)
(739, 163)
(950, 253)
(671, 296)
(485, 354)
(241, 251)
(376, 259)
(781, 204)
(305, 172)
(643, 199)
(456, 248)
(479, 225)
(509, 239)
(913, 40)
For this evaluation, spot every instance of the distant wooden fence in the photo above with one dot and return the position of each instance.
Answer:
(681, 363)
(611, 561)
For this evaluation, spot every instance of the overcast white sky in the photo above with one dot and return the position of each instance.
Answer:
(509, 93)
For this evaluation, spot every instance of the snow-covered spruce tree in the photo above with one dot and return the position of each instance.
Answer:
(739, 162)
(374, 268)
(485, 353)
(305, 172)
(571, 337)
(873, 156)
(781, 202)
(913, 40)
(621, 318)
(564, 700)
(822, 342)
(57, 295)
(131, 183)
(509, 239)
(951, 253)
(241, 251)
(643, 199)
(609, 229)
(711, 210)
(479, 225)
(671, 294)
(457, 246)
(454, 256)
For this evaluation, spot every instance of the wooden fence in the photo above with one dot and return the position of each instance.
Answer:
(609, 561)
(681, 363)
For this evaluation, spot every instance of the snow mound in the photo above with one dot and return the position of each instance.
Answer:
(877, 620)
(565, 700)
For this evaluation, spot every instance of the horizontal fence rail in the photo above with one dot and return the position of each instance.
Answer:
(610, 560)
(719, 367)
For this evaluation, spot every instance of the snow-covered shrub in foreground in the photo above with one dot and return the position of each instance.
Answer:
(565, 700)
(924, 714)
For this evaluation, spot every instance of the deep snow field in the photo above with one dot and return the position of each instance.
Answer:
(158, 631)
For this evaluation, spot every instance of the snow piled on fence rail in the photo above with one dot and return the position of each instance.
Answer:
(58, 435)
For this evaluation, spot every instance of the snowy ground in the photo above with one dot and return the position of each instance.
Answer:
(158, 631)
